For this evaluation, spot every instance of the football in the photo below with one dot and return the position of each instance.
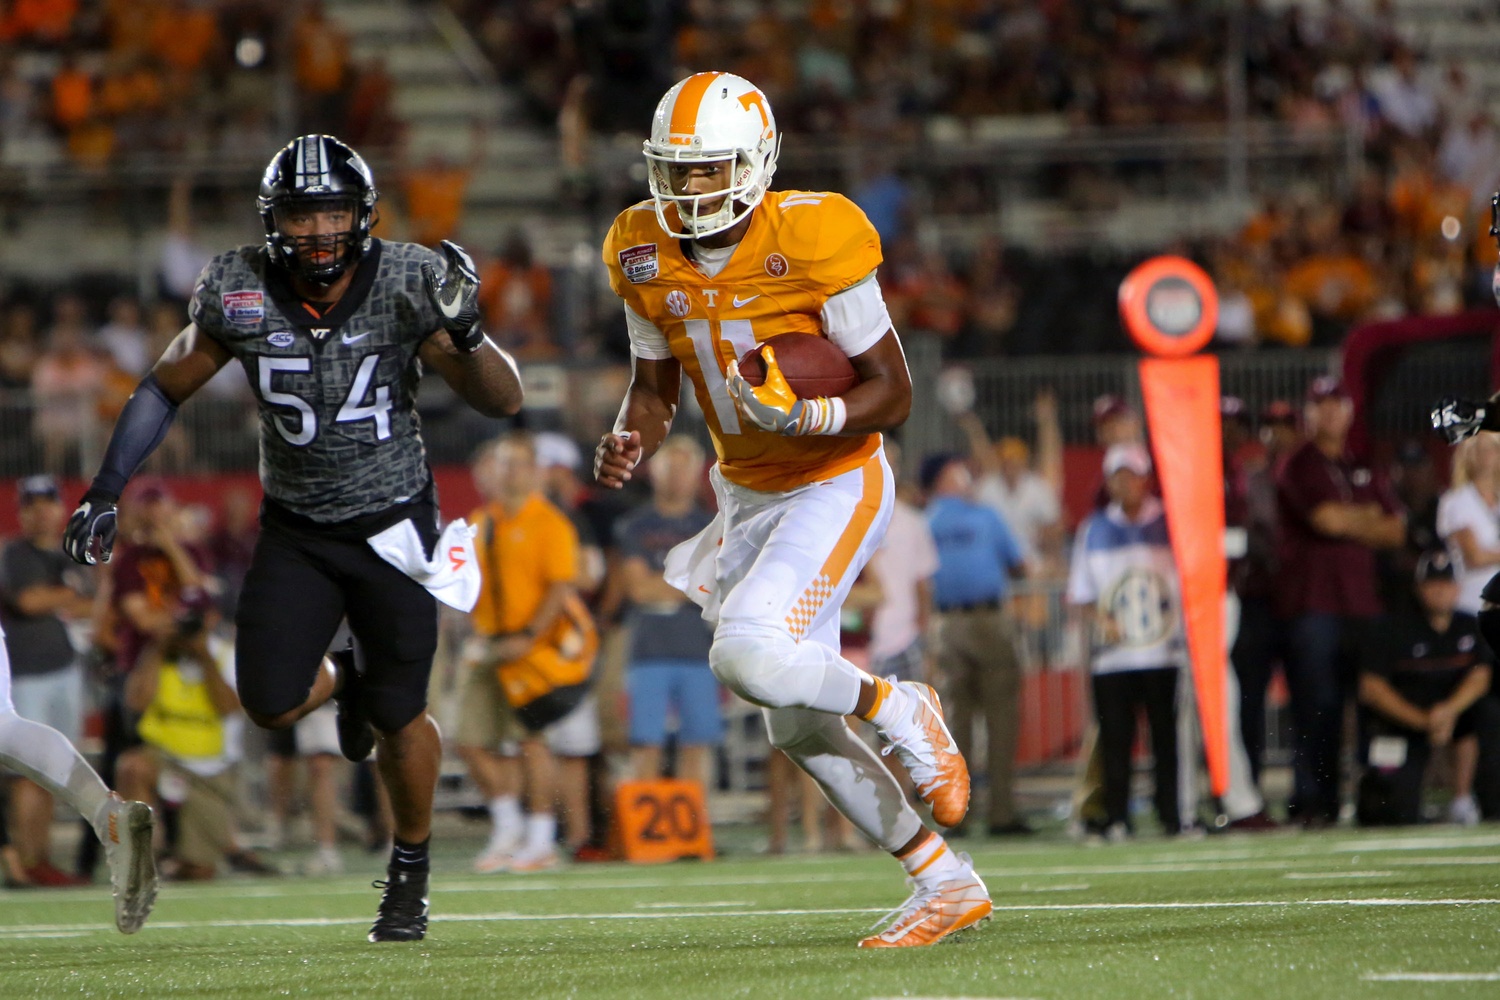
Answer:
(813, 365)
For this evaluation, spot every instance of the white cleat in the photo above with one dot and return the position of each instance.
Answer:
(126, 829)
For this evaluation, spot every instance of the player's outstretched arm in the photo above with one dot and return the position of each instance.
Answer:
(643, 424)
(187, 364)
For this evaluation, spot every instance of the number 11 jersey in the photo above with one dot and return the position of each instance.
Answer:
(802, 249)
(339, 433)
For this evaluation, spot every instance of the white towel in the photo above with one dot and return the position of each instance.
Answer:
(451, 575)
(692, 567)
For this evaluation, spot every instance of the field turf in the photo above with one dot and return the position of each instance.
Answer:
(1338, 914)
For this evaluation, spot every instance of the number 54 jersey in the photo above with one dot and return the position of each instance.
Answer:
(339, 432)
(806, 265)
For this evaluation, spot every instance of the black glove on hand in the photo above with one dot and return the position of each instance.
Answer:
(90, 536)
(455, 295)
(1456, 419)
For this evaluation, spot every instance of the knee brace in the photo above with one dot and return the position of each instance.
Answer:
(759, 667)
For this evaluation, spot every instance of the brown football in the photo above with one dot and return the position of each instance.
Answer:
(814, 366)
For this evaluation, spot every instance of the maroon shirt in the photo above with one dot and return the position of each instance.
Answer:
(144, 569)
(1320, 574)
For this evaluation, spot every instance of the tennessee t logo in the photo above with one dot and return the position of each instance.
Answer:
(756, 100)
(456, 558)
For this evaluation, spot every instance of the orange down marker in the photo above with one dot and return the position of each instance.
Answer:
(1170, 308)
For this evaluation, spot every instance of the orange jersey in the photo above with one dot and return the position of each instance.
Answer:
(801, 248)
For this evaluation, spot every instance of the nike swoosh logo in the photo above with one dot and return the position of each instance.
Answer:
(350, 340)
(450, 310)
(738, 302)
(704, 589)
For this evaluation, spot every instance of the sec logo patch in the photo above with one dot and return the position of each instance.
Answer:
(639, 263)
(244, 308)
(776, 265)
(677, 303)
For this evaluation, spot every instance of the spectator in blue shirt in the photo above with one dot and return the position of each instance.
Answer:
(979, 672)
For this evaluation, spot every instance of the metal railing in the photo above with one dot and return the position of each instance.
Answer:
(217, 434)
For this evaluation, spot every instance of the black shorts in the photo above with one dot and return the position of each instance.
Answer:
(303, 580)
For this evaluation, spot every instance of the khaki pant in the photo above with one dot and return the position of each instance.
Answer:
(205, 820)
(980, 677)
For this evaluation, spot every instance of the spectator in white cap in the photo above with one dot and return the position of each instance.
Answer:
(1124, 582)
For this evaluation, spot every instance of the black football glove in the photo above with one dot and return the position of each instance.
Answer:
(1456, 419)
(455, 295)
(90, 535)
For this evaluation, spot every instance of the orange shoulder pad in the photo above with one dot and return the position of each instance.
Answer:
(838, 241)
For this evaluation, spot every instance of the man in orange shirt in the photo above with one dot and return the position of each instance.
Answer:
(708, 268)
(535, 649)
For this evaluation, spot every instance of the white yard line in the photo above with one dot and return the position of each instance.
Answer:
(32, 929)
(525, 883)
(1416, 843)
(1432, 977)
(1327, 875)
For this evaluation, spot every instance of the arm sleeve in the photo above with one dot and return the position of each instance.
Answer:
(1081, 589)
(856, 318)
(646, 341)
(145, 420)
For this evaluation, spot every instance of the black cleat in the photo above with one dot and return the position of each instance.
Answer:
(403, 907)
(356, 737)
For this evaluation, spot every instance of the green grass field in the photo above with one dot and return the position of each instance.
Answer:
(1413, 913)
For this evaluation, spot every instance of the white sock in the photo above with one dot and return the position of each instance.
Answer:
(541, 832)
(45, 755)
(505, 817)
(932, 861)
(894, 710)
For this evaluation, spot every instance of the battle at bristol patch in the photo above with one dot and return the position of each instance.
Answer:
(639, 263)
(244, 308)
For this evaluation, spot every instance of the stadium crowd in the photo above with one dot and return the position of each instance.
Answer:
(1352, 586)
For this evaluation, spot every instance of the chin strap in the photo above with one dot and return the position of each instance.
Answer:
(144, 421)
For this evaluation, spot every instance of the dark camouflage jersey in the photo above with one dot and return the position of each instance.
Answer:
(339, 432)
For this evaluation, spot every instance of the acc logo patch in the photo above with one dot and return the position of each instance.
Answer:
(639, 263)
(677, 303)
(776, 265)
(244, 308)
(281, 338)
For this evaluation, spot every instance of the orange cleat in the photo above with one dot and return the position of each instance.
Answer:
(926, 748)
(933, 913)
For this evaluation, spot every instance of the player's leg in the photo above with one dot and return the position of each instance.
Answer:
(783, 574)
(289, 610)
(281, 784)
(395, 625)
(46, 757)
